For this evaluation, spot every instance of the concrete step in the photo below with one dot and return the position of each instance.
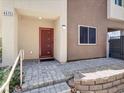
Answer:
(56, 88)
(40, 84)
(42, 77)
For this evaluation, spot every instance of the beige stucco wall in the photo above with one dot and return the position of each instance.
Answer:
(9, 30)
(0, 14)
(57, 36)
(0, 19)
(91, 13)
(9, 26)
(0, 27)
(60, 42)
(28, 35)
(44, 8)
(48, 9)
(115, 12)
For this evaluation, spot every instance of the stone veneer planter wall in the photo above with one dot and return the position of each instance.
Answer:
(110, 83)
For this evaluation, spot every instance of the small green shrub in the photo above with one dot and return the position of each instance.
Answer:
(1, 76)
(3, 72)
(15, 80)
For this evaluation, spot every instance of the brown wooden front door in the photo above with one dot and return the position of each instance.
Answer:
(46, 42)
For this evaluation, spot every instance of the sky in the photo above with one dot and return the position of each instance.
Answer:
(114, 34)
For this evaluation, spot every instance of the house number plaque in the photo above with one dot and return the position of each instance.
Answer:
(8, 13)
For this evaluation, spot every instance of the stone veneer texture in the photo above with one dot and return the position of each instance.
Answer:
(109, 81)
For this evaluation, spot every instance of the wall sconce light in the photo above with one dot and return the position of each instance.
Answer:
(64, 26)
(40, 18)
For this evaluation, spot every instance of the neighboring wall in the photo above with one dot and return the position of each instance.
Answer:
(91, 13)
(0, 15)
(115, 12)
(0, 33)
(28, 35)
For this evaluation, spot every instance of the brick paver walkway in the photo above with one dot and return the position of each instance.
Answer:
(93, 65)
(41, 74)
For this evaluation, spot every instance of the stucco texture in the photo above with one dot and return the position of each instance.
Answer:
(28, 35)
(91, 13)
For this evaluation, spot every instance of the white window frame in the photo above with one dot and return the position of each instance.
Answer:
(88, 35)
(118, 3)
